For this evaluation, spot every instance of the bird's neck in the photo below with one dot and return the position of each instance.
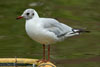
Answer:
(33, 19)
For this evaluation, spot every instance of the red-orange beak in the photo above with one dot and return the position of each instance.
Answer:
(19, 17)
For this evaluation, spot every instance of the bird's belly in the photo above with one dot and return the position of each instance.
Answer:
(43, 39)
(41, 36)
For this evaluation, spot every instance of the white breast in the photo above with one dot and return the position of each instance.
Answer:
(37, 33)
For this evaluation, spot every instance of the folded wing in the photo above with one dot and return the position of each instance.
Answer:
(59, 29)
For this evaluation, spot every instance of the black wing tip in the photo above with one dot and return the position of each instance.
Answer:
(88, 31)
(81, 30)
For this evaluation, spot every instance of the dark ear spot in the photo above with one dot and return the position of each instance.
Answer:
(27, 13)
(32, 13)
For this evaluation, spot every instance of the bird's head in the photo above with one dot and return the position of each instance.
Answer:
(28, 14)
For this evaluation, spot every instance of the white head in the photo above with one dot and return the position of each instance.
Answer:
(29, 14)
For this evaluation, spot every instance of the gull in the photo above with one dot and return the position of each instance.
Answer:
(46, 31)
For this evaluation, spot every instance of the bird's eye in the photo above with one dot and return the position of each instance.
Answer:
(27, 13)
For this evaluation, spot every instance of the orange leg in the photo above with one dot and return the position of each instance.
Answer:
(44, 58)
(44, 52)
(48, 52)
(44, 55)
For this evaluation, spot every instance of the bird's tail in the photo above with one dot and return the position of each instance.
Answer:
(76, 32)
(80, 31)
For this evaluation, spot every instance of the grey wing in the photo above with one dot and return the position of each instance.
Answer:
(54, 26)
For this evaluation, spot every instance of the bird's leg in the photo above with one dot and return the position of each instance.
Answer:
(44, 52)
(44, 59)
(48, 52)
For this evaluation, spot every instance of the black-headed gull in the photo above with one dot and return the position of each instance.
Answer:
(46, 30)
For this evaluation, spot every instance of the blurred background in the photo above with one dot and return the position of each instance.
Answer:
(77, 51)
